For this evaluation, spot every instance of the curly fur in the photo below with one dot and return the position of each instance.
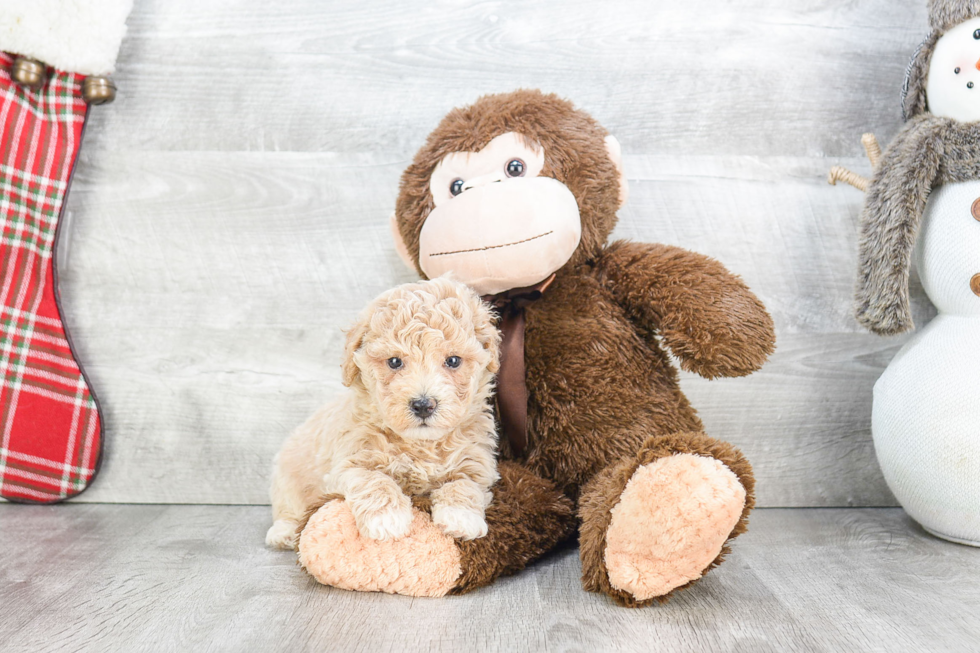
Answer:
(370, 448)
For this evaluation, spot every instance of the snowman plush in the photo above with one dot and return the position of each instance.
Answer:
(925, 197)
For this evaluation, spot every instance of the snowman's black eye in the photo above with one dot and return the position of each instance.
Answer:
(969, 85)
(957, 71)
(456, 187)
(515, 168)
(976, 35)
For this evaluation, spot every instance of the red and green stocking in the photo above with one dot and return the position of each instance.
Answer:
(51, 431)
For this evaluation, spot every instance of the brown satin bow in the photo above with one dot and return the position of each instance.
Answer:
(511, 385)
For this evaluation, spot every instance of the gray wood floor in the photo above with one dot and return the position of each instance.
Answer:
(229, 213)
(195, 578)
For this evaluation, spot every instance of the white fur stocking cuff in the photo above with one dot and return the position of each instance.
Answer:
(80, 36)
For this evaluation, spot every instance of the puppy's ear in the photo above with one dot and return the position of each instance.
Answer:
(488, 335)
(355, 338)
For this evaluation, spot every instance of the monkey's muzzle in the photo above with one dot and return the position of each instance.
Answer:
(504, 235)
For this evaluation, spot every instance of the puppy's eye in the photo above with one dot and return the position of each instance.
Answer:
(456, 187)
(515, 168)
(395, 363)
(453, 362)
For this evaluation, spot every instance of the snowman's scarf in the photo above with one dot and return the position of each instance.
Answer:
(928, 152)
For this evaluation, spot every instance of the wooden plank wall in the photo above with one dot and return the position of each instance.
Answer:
(228, 216)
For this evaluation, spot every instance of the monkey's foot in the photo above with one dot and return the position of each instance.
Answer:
(671, 524)
(426, 562)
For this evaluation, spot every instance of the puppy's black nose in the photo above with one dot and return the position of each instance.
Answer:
(423, 406)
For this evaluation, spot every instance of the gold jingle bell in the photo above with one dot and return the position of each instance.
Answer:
(29, 72)
(97, 89)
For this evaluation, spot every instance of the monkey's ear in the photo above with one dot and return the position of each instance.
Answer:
(616, 154)
(400, 243)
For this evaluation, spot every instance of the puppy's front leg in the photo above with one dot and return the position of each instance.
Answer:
(459, 508)
(381, 510)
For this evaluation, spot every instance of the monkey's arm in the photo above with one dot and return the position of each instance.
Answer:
(705, 314)
(890, 221)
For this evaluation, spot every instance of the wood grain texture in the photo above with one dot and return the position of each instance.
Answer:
(177, 578)
(706, 77)
(229, 210)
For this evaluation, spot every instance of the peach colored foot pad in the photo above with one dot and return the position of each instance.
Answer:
(423, 563)
(671, 523)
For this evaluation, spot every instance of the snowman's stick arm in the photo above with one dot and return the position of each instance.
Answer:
(872, 148)
(839, 173)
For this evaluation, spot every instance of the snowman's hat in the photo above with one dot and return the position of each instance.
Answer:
(943, 16)
(946, 14)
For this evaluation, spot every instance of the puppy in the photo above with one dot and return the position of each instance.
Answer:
(416, 420)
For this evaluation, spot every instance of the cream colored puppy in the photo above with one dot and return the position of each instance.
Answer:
(416, 420)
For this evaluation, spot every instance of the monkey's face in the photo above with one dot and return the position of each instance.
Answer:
(497, 224)
(509, 190)
(953, 87)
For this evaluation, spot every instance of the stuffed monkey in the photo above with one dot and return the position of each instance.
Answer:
(517, 195)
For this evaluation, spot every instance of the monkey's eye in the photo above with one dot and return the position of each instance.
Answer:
(456, 187)
(515, 168)
(453, 362)
(976, 35)
(395, 363)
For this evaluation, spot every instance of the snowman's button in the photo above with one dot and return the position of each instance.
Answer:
(976, 210)
(975, 284)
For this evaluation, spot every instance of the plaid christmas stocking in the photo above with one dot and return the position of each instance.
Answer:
(51, 432)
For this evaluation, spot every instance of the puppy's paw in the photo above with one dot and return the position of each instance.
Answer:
(463, 523)
(390, 523)
(284, 534)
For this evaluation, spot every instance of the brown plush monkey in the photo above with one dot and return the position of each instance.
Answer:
(504, 194)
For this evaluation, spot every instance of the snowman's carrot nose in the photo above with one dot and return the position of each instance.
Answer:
(978, 65)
